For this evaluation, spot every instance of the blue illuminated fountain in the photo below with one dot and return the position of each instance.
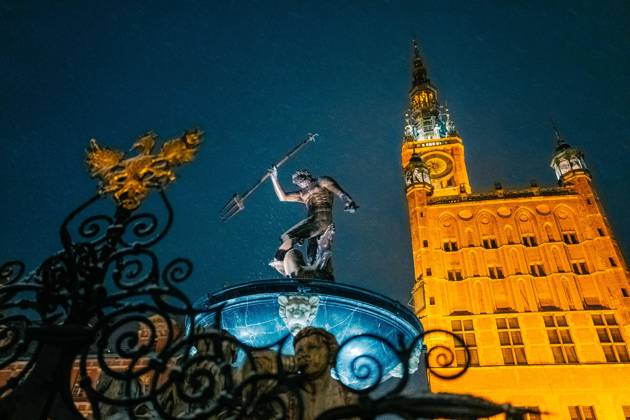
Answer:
(260, 313)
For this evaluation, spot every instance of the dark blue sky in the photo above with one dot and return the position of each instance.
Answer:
(257, 76)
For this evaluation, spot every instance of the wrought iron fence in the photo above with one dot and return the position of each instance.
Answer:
(97, 321)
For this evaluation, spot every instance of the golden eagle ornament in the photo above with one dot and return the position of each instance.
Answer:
(129, 180)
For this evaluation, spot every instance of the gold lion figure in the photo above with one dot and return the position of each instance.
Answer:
(130, 180)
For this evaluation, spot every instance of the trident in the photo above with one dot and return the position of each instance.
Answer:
(237, 202)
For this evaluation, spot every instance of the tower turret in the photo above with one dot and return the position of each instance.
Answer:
(417, 173)
(568, 162)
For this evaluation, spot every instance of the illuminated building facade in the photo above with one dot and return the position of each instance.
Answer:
(532, 280)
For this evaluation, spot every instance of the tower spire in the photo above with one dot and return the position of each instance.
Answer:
(419, 70)
(426, 118)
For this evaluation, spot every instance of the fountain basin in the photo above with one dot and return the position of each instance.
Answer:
(252, 313)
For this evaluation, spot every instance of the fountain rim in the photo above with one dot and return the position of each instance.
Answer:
(322, 287)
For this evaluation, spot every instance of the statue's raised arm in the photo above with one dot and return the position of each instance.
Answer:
(277, 187)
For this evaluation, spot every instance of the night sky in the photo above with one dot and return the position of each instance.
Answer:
(258, 76)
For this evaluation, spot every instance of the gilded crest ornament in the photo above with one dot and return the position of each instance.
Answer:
(129, 180)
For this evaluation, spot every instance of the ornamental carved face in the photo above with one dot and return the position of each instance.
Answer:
(298, 312)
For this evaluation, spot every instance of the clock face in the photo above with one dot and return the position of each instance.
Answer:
(439, 165)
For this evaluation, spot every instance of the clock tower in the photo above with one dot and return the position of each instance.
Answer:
(531, 279)
(431, 132)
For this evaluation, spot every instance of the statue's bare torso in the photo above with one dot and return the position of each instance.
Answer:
(318, 196)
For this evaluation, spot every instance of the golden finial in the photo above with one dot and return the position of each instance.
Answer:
(130, 180)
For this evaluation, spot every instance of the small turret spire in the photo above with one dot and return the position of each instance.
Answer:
(559, 140)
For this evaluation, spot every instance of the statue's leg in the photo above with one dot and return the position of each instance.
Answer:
(321, 260)
(311, 250)
(294, 235)
(297, 233)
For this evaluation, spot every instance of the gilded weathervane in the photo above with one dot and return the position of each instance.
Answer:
(129, 180)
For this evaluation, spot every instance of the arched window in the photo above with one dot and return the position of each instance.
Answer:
(565, 220)
(448, 233)
(525, 221)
